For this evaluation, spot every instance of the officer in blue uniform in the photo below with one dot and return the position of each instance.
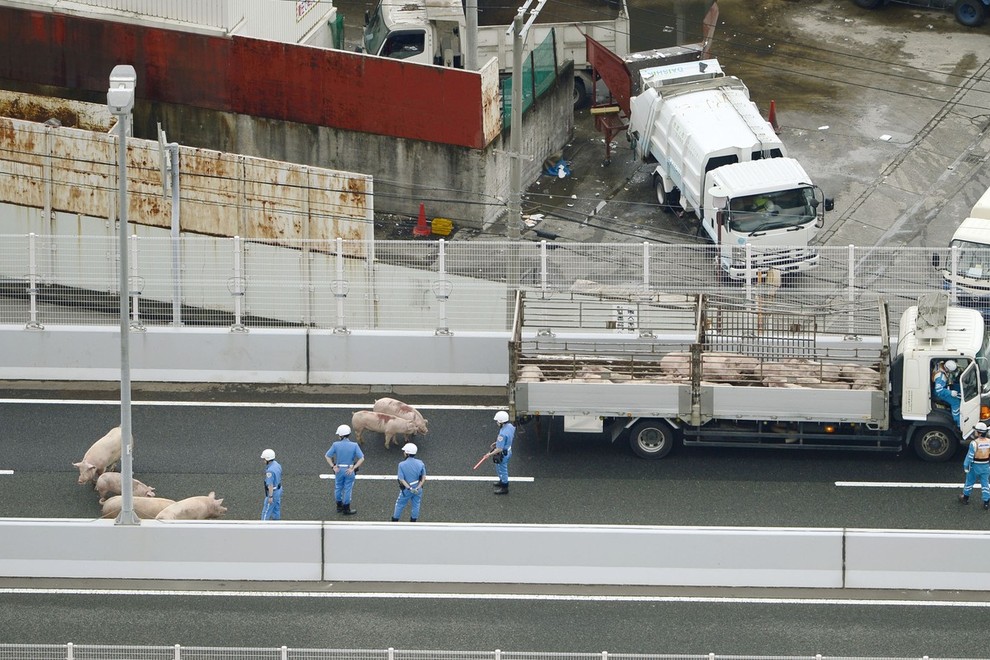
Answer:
(345, 457)
(502, 451)
(977, 464)
(412, 476)
(271, 508)
(942, 378)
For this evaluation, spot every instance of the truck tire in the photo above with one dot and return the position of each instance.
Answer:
(668, 200)
(868, 4)
(652, 438)
(581, 93)
(971, 13)
(935, 444)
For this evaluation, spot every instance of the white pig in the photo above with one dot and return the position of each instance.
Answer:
(200, 507)
(104, 453)
(110, 483)
(397, 408)
(144, 507)
(390, 425)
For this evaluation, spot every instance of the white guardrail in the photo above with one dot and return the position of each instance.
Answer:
(471, 553)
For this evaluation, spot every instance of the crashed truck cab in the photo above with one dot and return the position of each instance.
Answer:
(930, 333)
(421, 31)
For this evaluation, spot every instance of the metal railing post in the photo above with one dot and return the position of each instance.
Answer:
(749, 271)
(851, 288)
(953, 286)
(544, 274)
(68, 651)
(285, 653)
(339, 289)
(132, 285)
(33, 281)
(178, 653)
(646, 266)
(238, 287)
(441, 289)
(176, 244)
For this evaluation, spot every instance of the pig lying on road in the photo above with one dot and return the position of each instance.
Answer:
(104, 453)
(390, 425)
(397, 408)
(110, 483)
(144, 507)
(200, 507)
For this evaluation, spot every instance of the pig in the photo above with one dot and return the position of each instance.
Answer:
(200, 507)
(397, 408)
(104, 453)
(390, 425)
(144, 507)
(110, 483)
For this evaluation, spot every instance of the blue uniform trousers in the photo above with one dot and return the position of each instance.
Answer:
(502, 469)
(272, 510)
(979, 471)
(407, 495)
(343, 485)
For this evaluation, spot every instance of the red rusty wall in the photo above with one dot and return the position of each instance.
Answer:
(250, 76)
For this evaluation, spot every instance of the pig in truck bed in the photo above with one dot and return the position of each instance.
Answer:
(663, 369)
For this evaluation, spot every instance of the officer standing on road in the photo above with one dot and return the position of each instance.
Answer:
(977, 464)
(412, 476)
(271, 508)
(345, 457)
(942, 378)
(502, 451)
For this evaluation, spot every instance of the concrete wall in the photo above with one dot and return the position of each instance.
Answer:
(453, 553)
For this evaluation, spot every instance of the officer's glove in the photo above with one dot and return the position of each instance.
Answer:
(965, 470)
(954, 393)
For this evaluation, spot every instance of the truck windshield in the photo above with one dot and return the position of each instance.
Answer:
(773, 210)
(375, 32)
(974, 259)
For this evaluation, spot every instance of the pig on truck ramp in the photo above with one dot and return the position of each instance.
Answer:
(664, 369)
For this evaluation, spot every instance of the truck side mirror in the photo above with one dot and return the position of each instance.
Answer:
(829, 203)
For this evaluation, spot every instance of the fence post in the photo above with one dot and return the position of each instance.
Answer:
(851, 286)
(543, 265)
(339, 288)
(441, 289)
(237, 287)
(134, 288)
(178, 653)
(391, 653)
(749, 271)
(498, 654)
(68, 651)
(646, 266)
(285, 653)
(33, 281)
(953, 287)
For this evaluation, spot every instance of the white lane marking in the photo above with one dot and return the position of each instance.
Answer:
(6, 472)
(231, 404)
(896, 484)
(431, 477)
(729, 600)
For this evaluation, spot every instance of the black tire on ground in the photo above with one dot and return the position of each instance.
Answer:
(868, 4)
(935, 444)
(971, 13)
(581, 93)
(668, 200)
(652, 438)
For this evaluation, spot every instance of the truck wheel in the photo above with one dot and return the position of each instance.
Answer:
(971, 13)
(935, 444)
(668, 200)
(652, 438)
(868, 4)
(580, 93)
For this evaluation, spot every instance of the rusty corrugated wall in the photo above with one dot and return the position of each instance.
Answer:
(260, 78)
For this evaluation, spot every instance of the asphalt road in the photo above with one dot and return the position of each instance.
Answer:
(196, 447)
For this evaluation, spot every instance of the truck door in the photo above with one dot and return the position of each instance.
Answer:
(969, 398)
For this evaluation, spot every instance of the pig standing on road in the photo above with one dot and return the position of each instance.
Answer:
(397, 408)
(390, 425)
(100, 457)
(110, 483)
(200, 507)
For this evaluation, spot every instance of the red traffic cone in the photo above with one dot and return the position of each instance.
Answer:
(772, 118)
(421, 228)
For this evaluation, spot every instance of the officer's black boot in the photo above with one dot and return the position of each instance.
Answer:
(986, 505)
(395, 520)
(348, 511)
(415, 519)
(501, 489)
(340, 507)
(964, 499)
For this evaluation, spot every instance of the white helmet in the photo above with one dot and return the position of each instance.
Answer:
(268, 454)
(981, 427)
(410, 448)
(950, 365)
(343, 430)
(501, 417)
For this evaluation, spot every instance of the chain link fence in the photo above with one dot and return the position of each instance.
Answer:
(433, 285)
(177, 652)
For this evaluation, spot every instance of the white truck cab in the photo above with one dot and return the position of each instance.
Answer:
(427, 31)
(968, 266)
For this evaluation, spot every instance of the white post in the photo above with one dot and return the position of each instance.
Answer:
(442, 288)
(178, 653)
(544, 273)
(339, 289)
(33, 280)
(176, 244)
(68, 651)
(851, 286)
(238, 287)
(749, 271)
(646, 266)
(132, 287)
(953, 288)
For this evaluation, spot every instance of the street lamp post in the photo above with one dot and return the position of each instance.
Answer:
(120, 101)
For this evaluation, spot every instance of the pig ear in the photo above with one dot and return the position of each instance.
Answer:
(212, 494)
(79, 464)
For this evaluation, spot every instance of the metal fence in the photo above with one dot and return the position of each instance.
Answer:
(177, 652)
(439, 286)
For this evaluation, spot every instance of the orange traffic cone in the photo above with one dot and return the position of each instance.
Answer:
(421, 228)
(773, 117)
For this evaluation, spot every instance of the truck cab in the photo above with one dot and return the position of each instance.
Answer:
(426, 32)
(966, 270)
(930, 334)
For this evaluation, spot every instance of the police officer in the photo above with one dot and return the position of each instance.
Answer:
(977, 464)
(942, 378)
(271, 508)
(412, 476)
(345, 457)
(502, 451)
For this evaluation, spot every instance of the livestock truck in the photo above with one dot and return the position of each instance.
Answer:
(662, 370)
(966, 272)
(719, 159)
(432, 32)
